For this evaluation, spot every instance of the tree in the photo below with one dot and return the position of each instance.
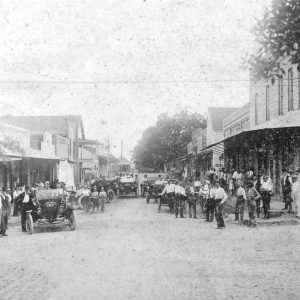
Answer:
(278, 36)
(166, 140)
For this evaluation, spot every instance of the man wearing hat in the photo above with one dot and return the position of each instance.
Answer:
(210, 204)
(25, 200)
(180, 197)
(220, 198)
(169, 190)
(287, 189)
(266, 191)
(191, 199)
(240, 202)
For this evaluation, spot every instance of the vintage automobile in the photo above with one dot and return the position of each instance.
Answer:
(53, 206)
(127, 185)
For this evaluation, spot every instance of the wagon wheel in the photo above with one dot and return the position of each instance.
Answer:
(29, 223)
(72, 220)
(110, 196)
(82, 201)
(147, 197)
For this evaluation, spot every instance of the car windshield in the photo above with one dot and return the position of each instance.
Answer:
(49, 194)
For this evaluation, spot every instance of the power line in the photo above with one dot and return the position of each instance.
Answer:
(135, 82)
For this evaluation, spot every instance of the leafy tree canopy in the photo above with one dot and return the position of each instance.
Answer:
(277, 35)
(166, 140)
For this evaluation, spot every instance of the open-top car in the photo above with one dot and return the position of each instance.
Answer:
(127, 185)
(53, 206)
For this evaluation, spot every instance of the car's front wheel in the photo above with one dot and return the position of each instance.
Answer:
(111, 196)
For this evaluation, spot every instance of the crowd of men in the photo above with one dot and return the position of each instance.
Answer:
(249, 190)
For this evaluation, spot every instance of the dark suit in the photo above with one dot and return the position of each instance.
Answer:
(25, 207)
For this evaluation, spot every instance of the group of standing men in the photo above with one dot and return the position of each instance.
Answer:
(215, 197)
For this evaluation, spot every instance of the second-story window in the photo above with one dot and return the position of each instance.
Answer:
(280, 96)
(256, 108)
(267, 103)
(290, 89)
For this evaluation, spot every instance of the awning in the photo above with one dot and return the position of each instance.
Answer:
(10, 158)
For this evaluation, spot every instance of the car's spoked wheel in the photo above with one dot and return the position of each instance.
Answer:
(29, 223)
(111, 196)
(72, 220)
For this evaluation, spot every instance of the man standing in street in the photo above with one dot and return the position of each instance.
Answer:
(180, 197)
(220, 198)
(168, 191)
(286, 190)
(102, 196)
(252, 195)
(240, 202)
(191, 199)
(210, 204)
(296, 194)
(266, 191)
(25, 201)
(256, 185)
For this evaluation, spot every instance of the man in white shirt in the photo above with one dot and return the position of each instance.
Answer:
(220, 198)
(180, 197)
(240, 202)
(296, 194)
(169, 191)
(266, 191)
(191, 199)
(210, 204)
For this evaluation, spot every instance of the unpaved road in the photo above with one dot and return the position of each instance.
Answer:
(132, 252)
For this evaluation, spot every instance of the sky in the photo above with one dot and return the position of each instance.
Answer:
(121, 63)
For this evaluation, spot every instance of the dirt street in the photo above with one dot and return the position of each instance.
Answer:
(133, 252)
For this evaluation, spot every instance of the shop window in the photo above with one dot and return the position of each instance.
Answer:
(290, 90)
